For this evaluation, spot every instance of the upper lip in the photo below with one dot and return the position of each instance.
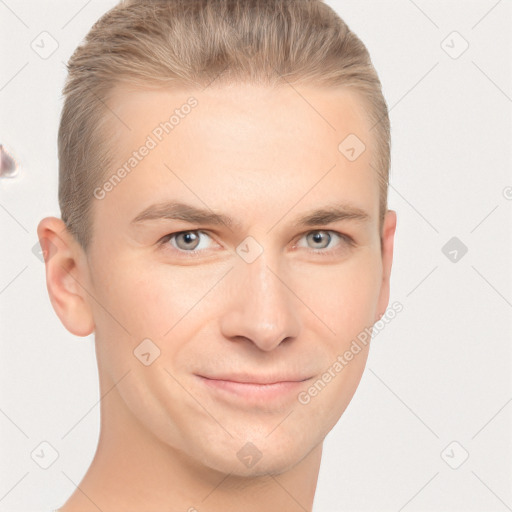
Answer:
(256, 379)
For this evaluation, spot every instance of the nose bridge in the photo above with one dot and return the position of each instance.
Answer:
(261, 308)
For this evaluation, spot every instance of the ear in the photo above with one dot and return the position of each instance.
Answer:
(387, 240)
(66, 276)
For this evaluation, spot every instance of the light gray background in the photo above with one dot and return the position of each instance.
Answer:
(439, 372)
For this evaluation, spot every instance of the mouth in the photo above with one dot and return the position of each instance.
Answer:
(254, 390)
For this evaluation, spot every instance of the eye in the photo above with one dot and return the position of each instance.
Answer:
(192, 242)
(186, 241)
(320, 239)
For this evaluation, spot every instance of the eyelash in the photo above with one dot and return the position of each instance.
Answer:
(195, 252)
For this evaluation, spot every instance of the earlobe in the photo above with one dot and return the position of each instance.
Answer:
(66, 276)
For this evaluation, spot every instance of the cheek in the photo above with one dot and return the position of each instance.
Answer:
(150, 300)
(344, 297)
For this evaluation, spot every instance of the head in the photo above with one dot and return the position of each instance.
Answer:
(270, 119)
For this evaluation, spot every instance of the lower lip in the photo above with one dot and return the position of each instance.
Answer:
(255, 392)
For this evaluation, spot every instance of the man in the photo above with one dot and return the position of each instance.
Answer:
(225, 235)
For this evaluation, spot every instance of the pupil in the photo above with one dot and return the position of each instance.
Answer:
(189, 237)
(317, 237)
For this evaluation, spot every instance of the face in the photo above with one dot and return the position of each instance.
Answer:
(243, 246)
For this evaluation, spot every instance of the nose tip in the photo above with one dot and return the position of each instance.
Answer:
(267, 335)
(262, 309)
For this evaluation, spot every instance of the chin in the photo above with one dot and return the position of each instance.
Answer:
(253, 457)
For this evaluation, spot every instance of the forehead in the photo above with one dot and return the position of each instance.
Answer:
(255, 145)
(242, 110)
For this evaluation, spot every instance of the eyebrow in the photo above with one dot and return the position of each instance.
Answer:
(172, 210)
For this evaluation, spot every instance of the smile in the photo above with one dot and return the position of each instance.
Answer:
(253, 393)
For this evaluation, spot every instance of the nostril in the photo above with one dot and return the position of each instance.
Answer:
(7, 164)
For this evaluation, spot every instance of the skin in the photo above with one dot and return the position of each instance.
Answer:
(167, 440)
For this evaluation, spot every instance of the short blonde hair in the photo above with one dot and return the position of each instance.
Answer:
(166, 43)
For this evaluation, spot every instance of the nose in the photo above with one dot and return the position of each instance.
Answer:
(262, 308)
